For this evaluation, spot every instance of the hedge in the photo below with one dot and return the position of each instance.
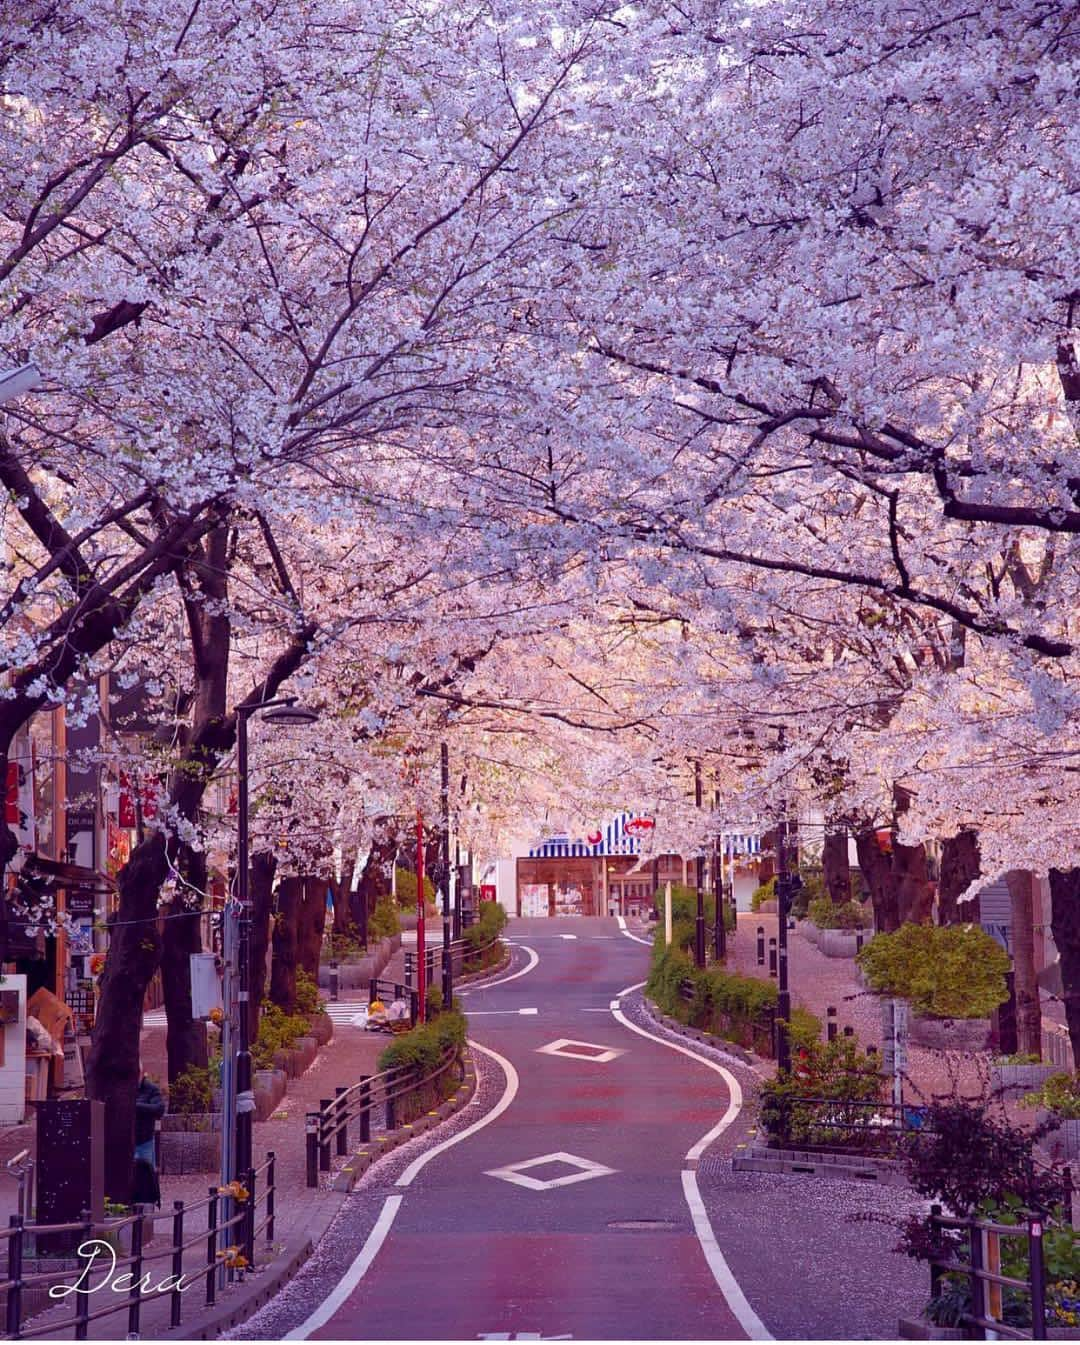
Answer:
(684, 908)
(944, 971)
(420, 1050)
(490, 923)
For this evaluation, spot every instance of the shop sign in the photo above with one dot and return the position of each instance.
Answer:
(487, 891)
(639, 826)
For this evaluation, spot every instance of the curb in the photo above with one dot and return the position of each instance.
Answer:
(705, 1038)
(362, 1159)
(470, 976)
(211, 1323)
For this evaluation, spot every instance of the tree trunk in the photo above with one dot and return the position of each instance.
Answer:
(835, 867)
(186, 1037)
(914, 892)
(344, 915)
(283, 966)
(1028, 1010)
(877, 871)
(1065, 927)
(311, 924)
(112, 1069)
(261, 892)
(959, 869)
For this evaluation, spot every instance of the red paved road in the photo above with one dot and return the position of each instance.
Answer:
(498, 1259)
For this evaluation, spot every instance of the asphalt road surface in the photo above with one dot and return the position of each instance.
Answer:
(573, 1212)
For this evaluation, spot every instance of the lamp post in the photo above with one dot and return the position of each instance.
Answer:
(444, 876)
(421, 951)
(699, 924)
(783, 897)
(719, 927)
(238, 1101)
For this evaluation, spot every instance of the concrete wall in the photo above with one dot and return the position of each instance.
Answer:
(13, 1070)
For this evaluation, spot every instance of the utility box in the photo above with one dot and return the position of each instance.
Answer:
(69, 1169)
(205, 984)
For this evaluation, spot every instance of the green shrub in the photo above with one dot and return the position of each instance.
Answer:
(738, 1008)
(421, 1049)
(762, 893)
(345, 948)
(1059, 1094)
(308, 999)
(278, 1031)
(838, 1071)
(384, 922)
(945, 971)
(684, 909)
(405, 884)
(482, 945)
(192, 1092)
(826, 914)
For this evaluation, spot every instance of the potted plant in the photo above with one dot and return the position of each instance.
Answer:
(952, 975)
(190, 1129)
(1058, 1101)
(1019, 1071)
(837, 928)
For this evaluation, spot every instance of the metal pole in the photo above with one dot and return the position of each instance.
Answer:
(245, 1098)
(444, 877)
(719, 928)
(667, 914)
(699, 924)
(421, 960)
(783, 1000)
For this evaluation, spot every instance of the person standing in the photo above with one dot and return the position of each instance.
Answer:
(149, 1109)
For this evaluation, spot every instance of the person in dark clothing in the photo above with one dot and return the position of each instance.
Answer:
(149, 1108)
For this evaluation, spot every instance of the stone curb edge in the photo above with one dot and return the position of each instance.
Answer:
(705, 1038)
(211, 1323)
(470, 976)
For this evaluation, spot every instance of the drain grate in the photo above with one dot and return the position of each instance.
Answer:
(644, 1225)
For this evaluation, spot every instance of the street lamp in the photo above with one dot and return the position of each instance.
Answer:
(699, 924)
(238, 1098)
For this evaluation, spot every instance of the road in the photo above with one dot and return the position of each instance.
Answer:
(574, 1212)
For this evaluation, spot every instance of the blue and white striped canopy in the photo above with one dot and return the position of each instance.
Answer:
(615, 841)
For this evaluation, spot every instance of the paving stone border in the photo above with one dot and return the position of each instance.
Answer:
(257, 1290)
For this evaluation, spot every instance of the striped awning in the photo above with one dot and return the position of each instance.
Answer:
(737, 844)
(613, 841)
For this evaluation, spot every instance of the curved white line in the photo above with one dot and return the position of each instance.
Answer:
(626, 934)
(748, 1319)
(490, 985)
(353, 1275)
(509, 1093)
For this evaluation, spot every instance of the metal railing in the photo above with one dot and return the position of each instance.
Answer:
(328, 1129)
(232, 1223)
(983, 1272)
(463, 958)
(842, 1125)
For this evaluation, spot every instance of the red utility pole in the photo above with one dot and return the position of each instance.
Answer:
(421, 960)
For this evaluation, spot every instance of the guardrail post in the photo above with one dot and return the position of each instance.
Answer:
(414, 1007)
(410, 968)
(249, 1222)
(175, 1300)
(341, 1118)
(391, 1112)
(271, 1159)
(14, 1274)
(772, 955)
(311, 1130)
(211, 1247)
(978, 1287)
(830, 1023)
(761, 945)
(1037, 1275)
(325, 1106)
(935, 1270)
(373, 990)
(82, 1306)
(135, 1293)
(365, 1110)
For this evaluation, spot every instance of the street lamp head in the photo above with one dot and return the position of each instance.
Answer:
(291, 714)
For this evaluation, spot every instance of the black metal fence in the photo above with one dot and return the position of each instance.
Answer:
(842, 1125)
(225, 1244)
(757, 1033)
(328, 1128)
(981, 1241)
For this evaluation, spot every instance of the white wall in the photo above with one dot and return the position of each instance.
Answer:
(13, 1070)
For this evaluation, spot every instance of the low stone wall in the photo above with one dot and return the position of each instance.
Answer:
(357, 975)
(949, 1034)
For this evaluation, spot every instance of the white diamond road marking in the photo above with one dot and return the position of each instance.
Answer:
(515, 1172)
(589, 1050)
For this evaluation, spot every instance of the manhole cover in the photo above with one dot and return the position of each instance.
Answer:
(645, 1225)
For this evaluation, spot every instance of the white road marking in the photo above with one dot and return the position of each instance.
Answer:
(488, 1013)
(490, 985)
(748, 1319)
(509, 1093)
(520, 1335)
(622, 921)
(599, 1055)
(586, 1170)
(627, 935)
(567, 936)
(353, 1275)
(630, 990)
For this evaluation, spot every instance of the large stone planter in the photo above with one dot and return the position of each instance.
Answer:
(918, 1328)
(288, 1061)
(840, 942)
(322, 1029)
(949, 1034)
(767, 908)
(1020, 1078)
(1063, 1143)
(307, 1048)
(269, 1086)
(809, 931)
(190, 1143)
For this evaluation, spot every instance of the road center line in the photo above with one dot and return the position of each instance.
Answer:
(353, 1275)
(748, 1319)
